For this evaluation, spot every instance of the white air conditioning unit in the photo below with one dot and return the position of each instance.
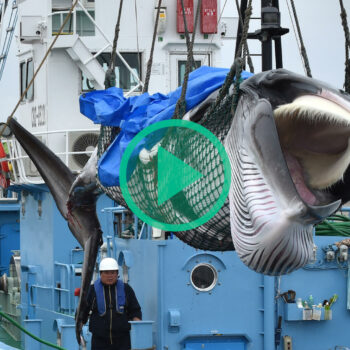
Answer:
(80, 146)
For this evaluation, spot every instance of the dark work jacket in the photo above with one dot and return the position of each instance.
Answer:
(112, 325)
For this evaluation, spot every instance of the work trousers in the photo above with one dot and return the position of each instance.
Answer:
(120, 343)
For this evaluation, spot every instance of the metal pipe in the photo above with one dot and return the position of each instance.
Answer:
(136, 224)
(132, 90)
(278, 43)
(67, 145)
(269, 326)
(96, 54)
(108, 238)
(266, 47)
(160, 316)
(142, 230)
(123, 221)
(67, 267)
(278, 53)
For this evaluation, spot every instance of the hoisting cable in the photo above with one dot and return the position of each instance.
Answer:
(246, 48)
(110, 74)
(137, 38)
(40, 65)
(28, 333)
(180, 108)
(237, 66)
(344, 21)
(247, 15)
(302, 47)
(187, 36)
(110, 81)
(150, 61)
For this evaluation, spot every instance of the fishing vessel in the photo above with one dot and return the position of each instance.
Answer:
(191, 298)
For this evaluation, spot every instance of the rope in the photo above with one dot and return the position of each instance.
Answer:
(246, 48)
(295, 33)
(110, 73)
(40, 65)
(235, 99)
(116, 36)
(149, 63)
(344, 21)
(247, 14)
(186, 32)
(302, 47)
(28, 333)
(137, 39)
(180, 108)
(237, 66)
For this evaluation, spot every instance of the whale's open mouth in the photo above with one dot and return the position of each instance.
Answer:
(314, 134)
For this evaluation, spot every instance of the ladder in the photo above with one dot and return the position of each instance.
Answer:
(8, 36)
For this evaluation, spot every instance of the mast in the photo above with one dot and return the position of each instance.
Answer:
(270, 30)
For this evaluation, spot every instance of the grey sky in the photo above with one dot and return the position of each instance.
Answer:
(322, 32)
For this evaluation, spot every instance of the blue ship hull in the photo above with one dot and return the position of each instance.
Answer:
(240, 312)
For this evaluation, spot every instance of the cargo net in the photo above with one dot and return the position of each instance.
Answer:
(198, 198)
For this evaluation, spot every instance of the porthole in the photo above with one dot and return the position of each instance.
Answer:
(204, 277)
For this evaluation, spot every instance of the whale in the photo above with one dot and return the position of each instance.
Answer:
(288, 146)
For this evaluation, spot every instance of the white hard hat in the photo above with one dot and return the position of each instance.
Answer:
(108, 264)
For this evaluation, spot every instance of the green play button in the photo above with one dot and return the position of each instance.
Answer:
(175, 175)
(169, 169)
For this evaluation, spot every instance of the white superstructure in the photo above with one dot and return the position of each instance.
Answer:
(79, 59)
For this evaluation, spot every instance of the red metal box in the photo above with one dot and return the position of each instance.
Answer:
(209, 16)
(188, 5)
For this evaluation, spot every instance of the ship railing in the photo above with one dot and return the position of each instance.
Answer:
(20, 162)
(108, 43)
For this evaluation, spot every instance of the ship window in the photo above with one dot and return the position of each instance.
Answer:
(57, 21)
(182, 68)
(84, 26)
(124, 79)
(204, 277)
(23, 69)
(27, 72)
(30, 73)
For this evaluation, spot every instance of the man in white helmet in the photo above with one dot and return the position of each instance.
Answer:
(112, 304)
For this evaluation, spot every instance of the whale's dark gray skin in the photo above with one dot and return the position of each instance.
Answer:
(75, 199)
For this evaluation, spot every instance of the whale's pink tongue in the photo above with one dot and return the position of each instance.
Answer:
(296, 173)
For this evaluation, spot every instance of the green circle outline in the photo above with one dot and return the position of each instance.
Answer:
(161, 125)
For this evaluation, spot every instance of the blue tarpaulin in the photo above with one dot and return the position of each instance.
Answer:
(110, 108)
